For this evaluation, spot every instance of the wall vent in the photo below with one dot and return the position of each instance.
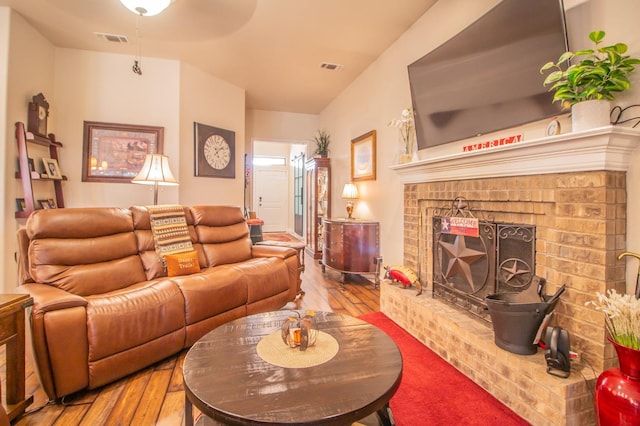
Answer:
(114, 38)
(331, 67)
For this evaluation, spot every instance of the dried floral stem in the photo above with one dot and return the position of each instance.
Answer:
(621, 317)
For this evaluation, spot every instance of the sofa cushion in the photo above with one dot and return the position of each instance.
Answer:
(265, 277)
(211, 292)
(126, 318)
(222, 235)
(84, 251)
(182, 263)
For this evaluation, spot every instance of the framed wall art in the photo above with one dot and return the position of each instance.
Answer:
(363, 157)
(215, 151)
(115, 152)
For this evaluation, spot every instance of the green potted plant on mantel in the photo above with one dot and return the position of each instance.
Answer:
(590, 84)
(322, 141)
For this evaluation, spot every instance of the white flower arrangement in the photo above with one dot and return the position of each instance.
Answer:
(405, 123)
(622, 317)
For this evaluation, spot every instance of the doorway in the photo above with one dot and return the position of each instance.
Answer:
(277, 185)
(270, 197)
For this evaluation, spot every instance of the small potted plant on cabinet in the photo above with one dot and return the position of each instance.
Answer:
(322, 141)
(590, 83)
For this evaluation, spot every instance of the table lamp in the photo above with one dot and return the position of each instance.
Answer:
(350, 193)
(155, 171)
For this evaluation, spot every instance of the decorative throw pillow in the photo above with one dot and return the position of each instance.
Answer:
(182, 263)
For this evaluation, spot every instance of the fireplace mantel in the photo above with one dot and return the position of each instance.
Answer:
(603, 148)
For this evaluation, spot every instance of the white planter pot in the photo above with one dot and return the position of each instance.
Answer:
(589, 115)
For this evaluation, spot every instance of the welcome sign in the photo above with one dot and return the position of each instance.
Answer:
(466, 226)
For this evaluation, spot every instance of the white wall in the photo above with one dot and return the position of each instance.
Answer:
(208, 100)
(28, 59)
(381, 92)
(93, 86)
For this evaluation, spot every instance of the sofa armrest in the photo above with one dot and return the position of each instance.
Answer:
(59, 338)
(47, 298)
(272, 251)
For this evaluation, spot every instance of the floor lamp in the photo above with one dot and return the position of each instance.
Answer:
(155, 171)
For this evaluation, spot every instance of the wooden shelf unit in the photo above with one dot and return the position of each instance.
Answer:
(24, 173)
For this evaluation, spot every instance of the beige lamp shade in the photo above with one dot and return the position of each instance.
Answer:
(146, 7)
(350, 193)
(155, 171)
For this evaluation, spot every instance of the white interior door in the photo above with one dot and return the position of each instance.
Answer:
(271, 197)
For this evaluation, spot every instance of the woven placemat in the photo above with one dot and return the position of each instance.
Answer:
(274, 351)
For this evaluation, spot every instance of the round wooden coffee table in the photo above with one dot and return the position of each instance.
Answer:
(227, 379)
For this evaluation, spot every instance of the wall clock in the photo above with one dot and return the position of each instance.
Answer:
(214, 151)
(38, 114)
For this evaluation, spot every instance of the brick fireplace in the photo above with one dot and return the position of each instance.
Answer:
(572, 188)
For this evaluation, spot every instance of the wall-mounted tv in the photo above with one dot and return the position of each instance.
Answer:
(486, 78)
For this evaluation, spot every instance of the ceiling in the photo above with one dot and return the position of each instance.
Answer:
(272, 48)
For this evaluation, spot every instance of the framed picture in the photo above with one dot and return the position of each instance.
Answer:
(115, 152)
(44, 204)
(363, 157)
(21, 205)
(51, 168)
(32, 164)
(52, 203)
(215, 151)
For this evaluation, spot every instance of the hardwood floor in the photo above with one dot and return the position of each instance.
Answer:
(155, 396)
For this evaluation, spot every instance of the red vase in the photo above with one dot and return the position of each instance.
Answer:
(617, 394)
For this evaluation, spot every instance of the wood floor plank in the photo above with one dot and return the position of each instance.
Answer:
(152, 398)
(156, 395)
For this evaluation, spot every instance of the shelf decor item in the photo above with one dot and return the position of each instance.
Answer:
(300, 331)
(602, 72)
(617, 391)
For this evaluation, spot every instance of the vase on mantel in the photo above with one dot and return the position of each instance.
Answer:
(408, 151)
(617, 393)
(591, 114)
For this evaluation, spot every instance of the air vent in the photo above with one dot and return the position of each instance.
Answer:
(114, 38)
(331, 67)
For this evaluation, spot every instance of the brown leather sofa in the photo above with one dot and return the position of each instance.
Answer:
(103, 305)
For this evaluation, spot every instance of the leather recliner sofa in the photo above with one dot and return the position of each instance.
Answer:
(104, 306)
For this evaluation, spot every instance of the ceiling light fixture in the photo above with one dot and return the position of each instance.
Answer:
(146, 7)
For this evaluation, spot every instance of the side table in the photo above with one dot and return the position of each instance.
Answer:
(12, 331)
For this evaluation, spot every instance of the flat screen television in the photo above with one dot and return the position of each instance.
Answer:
(486, 78)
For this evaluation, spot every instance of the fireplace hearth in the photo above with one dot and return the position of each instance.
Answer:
(475, 257)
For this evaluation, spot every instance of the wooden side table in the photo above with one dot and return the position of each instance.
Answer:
(12, 324)
(352, 246)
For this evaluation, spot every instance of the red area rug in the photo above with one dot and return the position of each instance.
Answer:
(432, 392)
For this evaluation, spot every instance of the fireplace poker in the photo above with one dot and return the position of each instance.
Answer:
(637, 256)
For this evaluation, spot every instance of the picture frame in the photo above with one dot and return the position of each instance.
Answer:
(52, 203)
(51, 168)
(215, 151)
(21, 204)
(44, 204)
(114, 152)
(363, 157)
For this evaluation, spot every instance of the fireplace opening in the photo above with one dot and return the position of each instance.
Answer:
(474, 257)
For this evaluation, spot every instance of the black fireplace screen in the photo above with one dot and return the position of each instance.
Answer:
(474, 258)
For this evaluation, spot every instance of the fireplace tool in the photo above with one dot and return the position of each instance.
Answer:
(637, 256)
(517, 317)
